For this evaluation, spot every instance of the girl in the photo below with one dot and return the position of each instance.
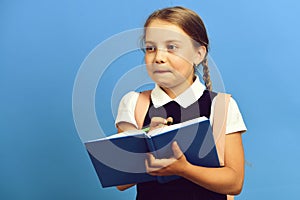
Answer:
(176, 43)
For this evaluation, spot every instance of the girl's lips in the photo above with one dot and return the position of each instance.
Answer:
(161, 71)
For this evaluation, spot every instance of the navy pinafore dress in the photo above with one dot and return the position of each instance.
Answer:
(180, 189)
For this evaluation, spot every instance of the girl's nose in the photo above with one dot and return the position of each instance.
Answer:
(160, 56)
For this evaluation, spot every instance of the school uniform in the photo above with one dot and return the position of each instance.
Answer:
(194, 102)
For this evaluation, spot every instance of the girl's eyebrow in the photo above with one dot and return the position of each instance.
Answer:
(175, 41)
(149, 42)
(167, 41)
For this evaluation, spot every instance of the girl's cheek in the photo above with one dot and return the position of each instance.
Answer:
(148, 59)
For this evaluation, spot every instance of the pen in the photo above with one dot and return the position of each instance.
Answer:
(147, 129)
(169, 123)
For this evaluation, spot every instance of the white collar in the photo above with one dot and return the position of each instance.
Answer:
(185, 99)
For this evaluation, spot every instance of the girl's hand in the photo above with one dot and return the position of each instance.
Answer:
(167, 166)
(158, 122)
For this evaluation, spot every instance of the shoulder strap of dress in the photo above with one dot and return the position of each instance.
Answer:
(141, 107)
(219, 123)
(219, 126)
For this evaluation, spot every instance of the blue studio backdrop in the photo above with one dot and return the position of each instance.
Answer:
(255, 45)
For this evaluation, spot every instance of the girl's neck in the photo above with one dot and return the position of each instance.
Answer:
(177, 90)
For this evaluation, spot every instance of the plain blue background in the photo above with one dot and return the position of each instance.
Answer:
(43, 43)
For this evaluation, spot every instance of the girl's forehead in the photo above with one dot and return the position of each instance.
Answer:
(161, 30)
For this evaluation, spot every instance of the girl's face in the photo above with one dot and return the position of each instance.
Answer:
(170, 56)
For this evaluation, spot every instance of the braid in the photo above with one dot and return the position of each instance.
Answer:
(206, 76)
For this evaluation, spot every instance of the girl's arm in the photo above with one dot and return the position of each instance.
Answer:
(226, 180)
(124, 187)
(124, 126)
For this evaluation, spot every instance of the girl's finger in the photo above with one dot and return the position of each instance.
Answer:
(176, 150)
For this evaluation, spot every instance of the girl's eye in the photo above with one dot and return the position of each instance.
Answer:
(172, 47)
(150, 49)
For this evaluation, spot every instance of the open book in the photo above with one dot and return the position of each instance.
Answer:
(120, 159)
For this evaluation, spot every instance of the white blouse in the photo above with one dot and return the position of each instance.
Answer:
(235, 122)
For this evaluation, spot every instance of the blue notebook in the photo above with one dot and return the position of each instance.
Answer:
(120, 159)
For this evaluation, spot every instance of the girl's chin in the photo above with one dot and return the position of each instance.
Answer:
(163, 79)
(165, 83)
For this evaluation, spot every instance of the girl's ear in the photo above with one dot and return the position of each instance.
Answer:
(200, 54)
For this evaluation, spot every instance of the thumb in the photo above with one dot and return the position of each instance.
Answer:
(176, 150)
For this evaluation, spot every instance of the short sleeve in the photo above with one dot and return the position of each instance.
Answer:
(126, 108)
(235, 122)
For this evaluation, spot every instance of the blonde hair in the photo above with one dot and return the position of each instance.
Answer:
(192, 25)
